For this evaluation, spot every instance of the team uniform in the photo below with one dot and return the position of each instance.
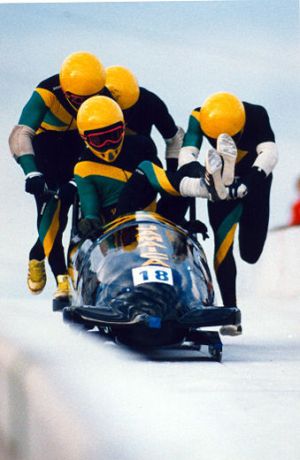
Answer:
(251, 212)
(148, 112)
(48, 126)
(100, 183)
(150, 179)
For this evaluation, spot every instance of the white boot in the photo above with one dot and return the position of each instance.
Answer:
(213, 178)
(231, 329)
(228, 151)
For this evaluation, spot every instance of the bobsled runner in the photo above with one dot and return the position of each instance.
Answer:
(145, 282)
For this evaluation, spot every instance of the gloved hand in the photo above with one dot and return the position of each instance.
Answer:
(237, 189)
(90, 228)
(242, 186)
(195, 226)
(35, 183)
(66, 193)
(172, 164)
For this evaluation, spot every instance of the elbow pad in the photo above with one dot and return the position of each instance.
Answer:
(174, 144)
(267, 157)
(20, 141)
(187, 155)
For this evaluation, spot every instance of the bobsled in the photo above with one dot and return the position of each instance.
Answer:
(145, 282)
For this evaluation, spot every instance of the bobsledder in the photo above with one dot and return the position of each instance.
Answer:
(145, 283)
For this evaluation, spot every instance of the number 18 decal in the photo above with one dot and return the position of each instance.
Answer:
(152, 274)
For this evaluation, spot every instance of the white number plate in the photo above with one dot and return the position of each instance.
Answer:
(152, 274)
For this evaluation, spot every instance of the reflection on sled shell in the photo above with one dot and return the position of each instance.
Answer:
(147, 280)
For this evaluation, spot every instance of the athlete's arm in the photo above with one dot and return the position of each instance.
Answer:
(192, 140)
(266, 148)
(88, 195)
(20, 139)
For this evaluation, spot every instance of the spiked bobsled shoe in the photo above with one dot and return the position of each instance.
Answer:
(232, 330)
(213, 178)
(36, 278)
(227, 149)
(62, 296)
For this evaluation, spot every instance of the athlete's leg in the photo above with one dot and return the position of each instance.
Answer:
(224, 217)
(149, 179)
(175, 207)
(254, 222)
(36, 276)
(37, 251)
(136, 195)
(142, 188)
(57, 154)
(51, 228)
(56, 257)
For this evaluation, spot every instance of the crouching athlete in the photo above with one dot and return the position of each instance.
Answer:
(46, 144)
(109, 162)
(144, 110)
(249, 157)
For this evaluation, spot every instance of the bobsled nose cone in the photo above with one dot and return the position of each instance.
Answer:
(154, 300)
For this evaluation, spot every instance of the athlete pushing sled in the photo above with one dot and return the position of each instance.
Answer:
(143, 279)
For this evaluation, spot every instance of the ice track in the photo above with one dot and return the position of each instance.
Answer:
(178, 405)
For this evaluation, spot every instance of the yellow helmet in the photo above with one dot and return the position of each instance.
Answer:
(81, 75)
(123, 86)
(100, 122)
(222, 113)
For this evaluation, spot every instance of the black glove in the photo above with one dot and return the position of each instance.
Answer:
(238, 189)
(35, 183)
(241, 186)
(172, 164)
(89, 228)
(195, 226)
(67, 192)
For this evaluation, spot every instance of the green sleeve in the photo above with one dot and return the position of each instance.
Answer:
(34, 112)
(193, 137)
(89, 198)
(27, 163)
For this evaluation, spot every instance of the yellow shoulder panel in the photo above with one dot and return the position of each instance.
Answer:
(91, 168)
(196, 114)
(47, 96)
(57, 109)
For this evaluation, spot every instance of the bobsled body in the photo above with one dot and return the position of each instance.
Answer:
(146, 280)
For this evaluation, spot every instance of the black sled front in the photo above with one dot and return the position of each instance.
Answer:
(147, 282)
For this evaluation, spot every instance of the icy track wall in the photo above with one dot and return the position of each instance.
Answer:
(71, 397)
(276, 274)
(67, 396)
(280, 265)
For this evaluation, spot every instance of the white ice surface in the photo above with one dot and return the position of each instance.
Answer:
(247, 407)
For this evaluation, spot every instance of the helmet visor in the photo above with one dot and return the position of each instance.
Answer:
(105, 138)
